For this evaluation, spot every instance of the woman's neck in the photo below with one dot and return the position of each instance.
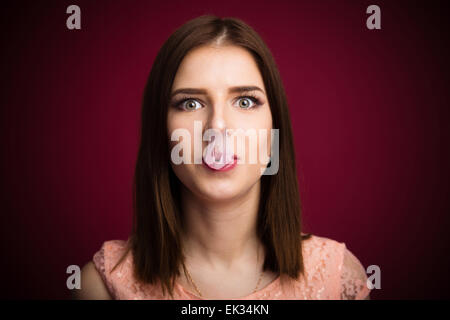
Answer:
(221, 234)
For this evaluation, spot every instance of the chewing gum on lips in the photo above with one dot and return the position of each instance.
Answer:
(218, 153)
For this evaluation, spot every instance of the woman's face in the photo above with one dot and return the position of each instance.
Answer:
(214, 72)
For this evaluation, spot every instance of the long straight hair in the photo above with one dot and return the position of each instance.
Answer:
(157, 216)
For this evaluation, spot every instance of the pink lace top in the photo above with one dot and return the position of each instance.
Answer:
(331, 272)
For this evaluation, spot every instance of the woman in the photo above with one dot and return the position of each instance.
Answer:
(215, 226)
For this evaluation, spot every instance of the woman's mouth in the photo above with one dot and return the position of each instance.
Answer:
(221, 167)
(219, 156)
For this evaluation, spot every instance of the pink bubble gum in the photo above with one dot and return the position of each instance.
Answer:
(217, 154)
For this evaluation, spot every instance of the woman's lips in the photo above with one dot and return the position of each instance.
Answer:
(226, 167)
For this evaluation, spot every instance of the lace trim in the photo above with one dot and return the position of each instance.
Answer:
(99, 262)
(353, 278)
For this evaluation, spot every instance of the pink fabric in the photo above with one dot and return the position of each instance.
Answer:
(331, 272)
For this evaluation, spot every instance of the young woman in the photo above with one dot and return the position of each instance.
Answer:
(225, 230)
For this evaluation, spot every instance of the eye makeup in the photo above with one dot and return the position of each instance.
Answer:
(179, 102)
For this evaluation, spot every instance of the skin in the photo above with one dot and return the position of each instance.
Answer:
(220, 208)
(92, 286)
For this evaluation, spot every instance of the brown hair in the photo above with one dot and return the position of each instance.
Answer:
(154, 240)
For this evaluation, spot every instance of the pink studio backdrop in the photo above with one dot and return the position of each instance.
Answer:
(369, 110)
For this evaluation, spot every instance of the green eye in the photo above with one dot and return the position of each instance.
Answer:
(244, 103)
(249, 102)
(191, 105)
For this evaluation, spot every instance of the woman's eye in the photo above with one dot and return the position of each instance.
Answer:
(190, 105)
(247, 102)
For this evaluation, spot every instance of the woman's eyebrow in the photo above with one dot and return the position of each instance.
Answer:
(204, 91)
(245, 89)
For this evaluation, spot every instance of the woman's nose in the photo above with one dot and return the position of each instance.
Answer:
(217, 117)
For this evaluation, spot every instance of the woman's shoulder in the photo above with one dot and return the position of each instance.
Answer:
(327, 252)
(114, 261)
(322, 254)
(320, 245)
(96, 282)
(332, 260)
(112, 253)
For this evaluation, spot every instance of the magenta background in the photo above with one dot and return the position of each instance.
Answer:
(369, 111)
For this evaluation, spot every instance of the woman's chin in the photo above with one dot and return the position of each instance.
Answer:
(221, 191)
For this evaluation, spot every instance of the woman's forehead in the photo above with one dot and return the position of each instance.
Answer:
(218, 68)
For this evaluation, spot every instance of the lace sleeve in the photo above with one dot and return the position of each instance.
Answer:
(100, 265)
(353, 278)
(99, 261)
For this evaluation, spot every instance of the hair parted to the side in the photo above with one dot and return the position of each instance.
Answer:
(157, 220)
